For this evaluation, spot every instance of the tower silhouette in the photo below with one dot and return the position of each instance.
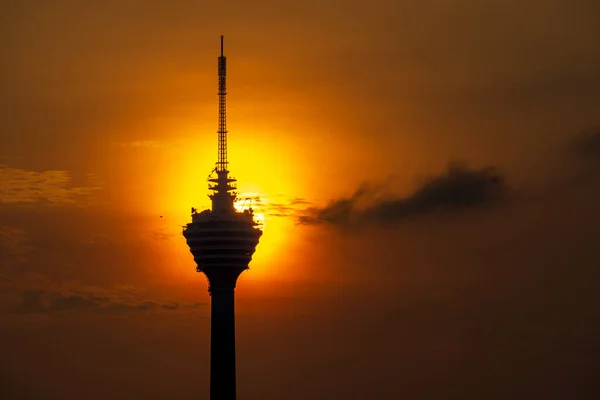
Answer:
(222, 241)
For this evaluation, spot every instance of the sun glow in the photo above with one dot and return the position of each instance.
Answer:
(251, 200)
(165, 182)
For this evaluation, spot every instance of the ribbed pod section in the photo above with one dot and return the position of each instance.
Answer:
(222, 249)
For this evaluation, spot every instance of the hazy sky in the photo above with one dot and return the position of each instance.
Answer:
(429, 175)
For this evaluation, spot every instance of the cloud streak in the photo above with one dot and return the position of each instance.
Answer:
(14, 244)
(36, 294)
(279, 206)
(36, 301)
(459, 188)
(51, 187)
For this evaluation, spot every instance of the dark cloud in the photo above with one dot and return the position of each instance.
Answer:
(147, 306)
(587, 146)
(31, 302)
(579, 165)
(281, 210)
(276, 206)
(459, 188)
(161, 234)
(173, 305)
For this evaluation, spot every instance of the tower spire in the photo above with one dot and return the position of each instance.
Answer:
(222, 132)
(223, 196)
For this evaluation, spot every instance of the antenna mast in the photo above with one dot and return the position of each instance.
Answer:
(222, 132)
(223, 187)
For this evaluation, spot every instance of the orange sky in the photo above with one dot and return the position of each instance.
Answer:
(430, 279)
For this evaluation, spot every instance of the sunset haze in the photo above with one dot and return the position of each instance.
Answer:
(428, 175)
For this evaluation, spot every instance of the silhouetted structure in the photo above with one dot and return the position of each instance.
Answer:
(222, 242)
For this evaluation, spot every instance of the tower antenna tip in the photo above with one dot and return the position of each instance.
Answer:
(221, 45)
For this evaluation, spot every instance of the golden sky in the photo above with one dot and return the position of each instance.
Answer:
(427, 170)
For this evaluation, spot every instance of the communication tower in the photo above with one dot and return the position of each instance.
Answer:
(222, 241)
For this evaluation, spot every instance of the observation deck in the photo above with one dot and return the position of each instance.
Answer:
(222, 244)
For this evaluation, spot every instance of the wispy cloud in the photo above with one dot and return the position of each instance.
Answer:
(14, 245)
(91, 299)
(49, 187)
(273, 206)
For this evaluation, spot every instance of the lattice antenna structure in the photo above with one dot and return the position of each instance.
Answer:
(223, 187)
(222, 132)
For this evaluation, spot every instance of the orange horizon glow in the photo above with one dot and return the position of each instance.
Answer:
(176, 186)
(158, 163)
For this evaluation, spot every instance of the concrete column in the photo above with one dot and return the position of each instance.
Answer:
(222, 345)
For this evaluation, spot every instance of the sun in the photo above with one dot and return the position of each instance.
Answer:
(254, 201)
(260, 219)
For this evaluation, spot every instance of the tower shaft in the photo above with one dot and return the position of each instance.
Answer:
(222, 345)
(222, 132)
